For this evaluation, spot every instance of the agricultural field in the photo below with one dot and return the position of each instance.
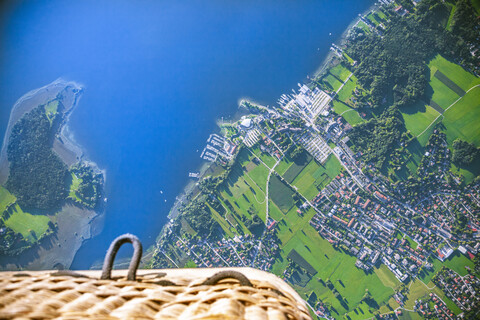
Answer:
(441, 94)
(297, 166)
(265, 157)
(284, 165)
(314, 177)
(347, 89)
(32, 227)
(334, 83)
(243, 193)
(352, 117)
(454, 72)
(418, 117)
(280, 194)
(462, 120)
(339, 268)
(340, 72)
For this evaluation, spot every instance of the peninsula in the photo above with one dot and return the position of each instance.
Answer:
(49, 194)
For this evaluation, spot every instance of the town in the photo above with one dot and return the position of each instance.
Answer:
(285, 178)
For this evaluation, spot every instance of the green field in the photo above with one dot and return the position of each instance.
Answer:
(51, 110)
(334, 83)
(476, 5)
(352, 117)
(363, 26)
(222, 222)
(258, 175)
(297, 166)
(418, 117)
(372, 18)
(427, 275)
(74, 188)
(340, 72)
(457, 263)
(265, 157)
(462, 120)
(315, 177)
(454, 72)
(6, 198)
(340, 107)
(387, 277)
(347, 89)
(280, 194)
(441, 94)
(243, 193)
(32, 227)
(284, 165)
(336, 266)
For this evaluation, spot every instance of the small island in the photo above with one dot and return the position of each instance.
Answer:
(49, 194)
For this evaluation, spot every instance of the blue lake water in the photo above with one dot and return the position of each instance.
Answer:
(157, 74)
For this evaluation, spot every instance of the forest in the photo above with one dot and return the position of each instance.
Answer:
(465, 153)
(37, 175)
(392, 64)
(377, 137)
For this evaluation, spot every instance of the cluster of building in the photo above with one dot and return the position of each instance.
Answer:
(461, 290)
(433, 308)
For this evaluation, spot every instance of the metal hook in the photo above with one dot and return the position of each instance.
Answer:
(112, 252)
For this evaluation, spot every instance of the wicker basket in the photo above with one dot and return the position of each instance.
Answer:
(217, 293)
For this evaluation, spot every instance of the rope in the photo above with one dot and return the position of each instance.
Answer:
(213, 280)
(112, 252)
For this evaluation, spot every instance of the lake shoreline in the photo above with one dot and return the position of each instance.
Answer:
(75, 224)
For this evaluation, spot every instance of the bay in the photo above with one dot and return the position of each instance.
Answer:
(157, 74)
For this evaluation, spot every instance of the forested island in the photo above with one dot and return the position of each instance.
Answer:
(362, 188)
(47, 179)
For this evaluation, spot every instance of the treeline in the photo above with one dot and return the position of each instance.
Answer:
(37, 175)
(377, 137)
(466, 26)
(393, 66)
(199, 217)
(465, 153)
